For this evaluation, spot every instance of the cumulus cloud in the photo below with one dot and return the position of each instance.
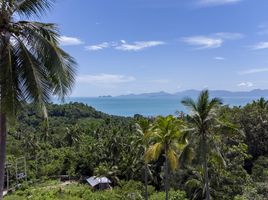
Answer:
(217, 2)
(245, 84)
(125, 46)
(254, 71)
(203, 42)
(105, 78)
(69, 41)
(260, 45)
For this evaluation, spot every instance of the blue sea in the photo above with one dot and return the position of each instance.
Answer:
(145, 106)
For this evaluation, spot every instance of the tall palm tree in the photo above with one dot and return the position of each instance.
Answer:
(143, 127)
(32, 65)
(203, 118)
(167, 137)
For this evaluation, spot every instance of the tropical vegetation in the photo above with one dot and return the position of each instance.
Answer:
(212, 152)
(82, 142)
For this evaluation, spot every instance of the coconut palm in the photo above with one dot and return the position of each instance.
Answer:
(32, 65)
(167, 137)
(203, 118)
(143, 127)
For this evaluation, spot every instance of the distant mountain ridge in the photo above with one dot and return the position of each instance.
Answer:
(194, 93)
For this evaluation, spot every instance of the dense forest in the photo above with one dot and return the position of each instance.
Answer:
(165, 152)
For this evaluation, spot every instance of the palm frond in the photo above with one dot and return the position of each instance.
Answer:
(153, 152)
(10, 92)
(172, 159)
(35, 86)
(186, 155)
(189, 103)
(193, 184)
(59, 65)
(32, 7)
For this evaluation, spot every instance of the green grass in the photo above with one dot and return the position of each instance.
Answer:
(131, 191)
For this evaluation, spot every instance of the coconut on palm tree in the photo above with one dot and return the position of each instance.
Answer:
(203, 118)
(166, 137)
(32, 65)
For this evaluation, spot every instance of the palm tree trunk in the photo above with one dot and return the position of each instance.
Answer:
(3, 134)
(146, 181)
(166, 173)
(206, 167)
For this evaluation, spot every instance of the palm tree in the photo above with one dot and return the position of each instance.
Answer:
(261, 106)
(143, 127)
(32, 65)
(168, 138)
(203, 118)
(196, 185)
(262, 103)
(72, 135)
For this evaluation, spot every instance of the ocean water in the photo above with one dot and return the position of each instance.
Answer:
(145, 106)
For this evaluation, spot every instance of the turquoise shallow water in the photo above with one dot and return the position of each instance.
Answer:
(145, 106)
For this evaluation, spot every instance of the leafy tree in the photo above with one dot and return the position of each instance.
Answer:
(166, 136)
(253, 119)
(32, 65)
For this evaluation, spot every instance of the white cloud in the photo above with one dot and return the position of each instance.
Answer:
(216, 2)
(203, 42)
(260, 45)
(254, 71)
(69, 41)
(229, 36)
(124, 46)
(137, 46)
(105, 79)
(98, 47)
(245, 84)
(211, 41)
(219, 58)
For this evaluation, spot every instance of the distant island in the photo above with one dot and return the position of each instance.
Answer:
(194, 93)
(105, 96)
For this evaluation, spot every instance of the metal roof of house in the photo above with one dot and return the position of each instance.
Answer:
(93, 180)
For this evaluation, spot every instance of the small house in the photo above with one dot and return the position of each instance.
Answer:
(99, 183)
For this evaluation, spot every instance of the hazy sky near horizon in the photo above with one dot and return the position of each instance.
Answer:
(137, 46)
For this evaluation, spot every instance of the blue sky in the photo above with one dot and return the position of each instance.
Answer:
(137, 46)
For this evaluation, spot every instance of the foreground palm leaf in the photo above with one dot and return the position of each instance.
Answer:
(32, 65)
